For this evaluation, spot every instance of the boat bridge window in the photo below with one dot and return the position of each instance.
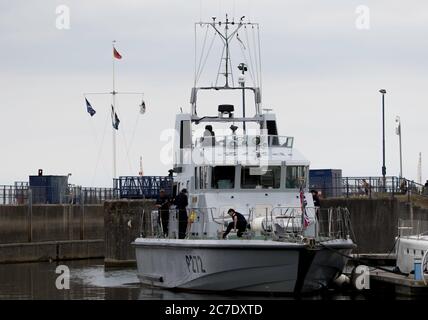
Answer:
(223, 177)
(261, 177)
(296, 176)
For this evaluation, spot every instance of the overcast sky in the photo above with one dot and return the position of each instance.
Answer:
(321, 75)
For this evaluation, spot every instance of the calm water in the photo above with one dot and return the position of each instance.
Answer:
(89, 280)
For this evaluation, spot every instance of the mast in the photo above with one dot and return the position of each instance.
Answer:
(226, 30)
(227, 52)
(419, 176)
(113, 93)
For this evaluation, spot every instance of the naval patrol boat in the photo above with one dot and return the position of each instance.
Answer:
(241, 162)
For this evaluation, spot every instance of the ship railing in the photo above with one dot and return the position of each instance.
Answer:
(286, 222)
(293, 222)
(239, 141)
(197, 223)
(280, 223)
(334, 223)
(416, 228)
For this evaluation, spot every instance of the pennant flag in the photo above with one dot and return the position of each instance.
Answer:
(116, 54)
(142, 107)
(114, 119)
(89, 108)
(303, 204)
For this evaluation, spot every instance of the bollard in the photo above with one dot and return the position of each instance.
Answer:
(417, 268)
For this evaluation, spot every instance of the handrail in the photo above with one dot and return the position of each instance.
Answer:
(278, 223)
(293, 216)
(236, 141)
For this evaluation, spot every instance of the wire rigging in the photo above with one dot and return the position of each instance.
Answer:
(250, 55)
(202, 52)
(242, 47)
(100, 150)
(206, 57)
(255, 56)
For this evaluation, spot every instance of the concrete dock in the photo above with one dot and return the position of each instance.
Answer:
(404, 285)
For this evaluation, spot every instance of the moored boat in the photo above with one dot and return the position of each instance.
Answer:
(289, 245)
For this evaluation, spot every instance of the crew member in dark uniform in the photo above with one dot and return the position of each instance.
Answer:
(316, 198)
(181, 203)
(163, 203)
(238, 223)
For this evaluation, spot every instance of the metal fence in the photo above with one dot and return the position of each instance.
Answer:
(376, 187)
(24, 194)
(142, 187)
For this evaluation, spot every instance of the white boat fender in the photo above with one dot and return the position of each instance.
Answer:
(342, 280)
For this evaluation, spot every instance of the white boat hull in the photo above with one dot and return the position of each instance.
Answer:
(238, 265)
(409, 249)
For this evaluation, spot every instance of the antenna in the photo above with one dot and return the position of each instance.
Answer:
(226, 35)
(227, 31)
(419, 177)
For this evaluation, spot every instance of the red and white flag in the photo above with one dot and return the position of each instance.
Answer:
(116, 54)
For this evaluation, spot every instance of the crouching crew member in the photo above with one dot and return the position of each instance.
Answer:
(238, 223)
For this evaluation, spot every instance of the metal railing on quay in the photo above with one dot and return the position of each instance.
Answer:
(25, 195)
(373, 187)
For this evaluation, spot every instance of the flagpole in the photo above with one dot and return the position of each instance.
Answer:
(115, 120)
(114, 107)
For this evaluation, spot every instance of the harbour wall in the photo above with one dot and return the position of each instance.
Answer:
(60, 232)
(51, 232)
(375, 221)
(124, 220)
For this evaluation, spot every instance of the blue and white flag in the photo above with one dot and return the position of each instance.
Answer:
(89, 108)
(114, 119)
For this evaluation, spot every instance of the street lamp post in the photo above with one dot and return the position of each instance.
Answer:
(383, 92)
(398, 132)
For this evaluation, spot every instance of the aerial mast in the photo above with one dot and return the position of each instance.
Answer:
(226, 30)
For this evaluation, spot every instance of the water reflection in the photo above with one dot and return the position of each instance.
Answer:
(89, 280)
